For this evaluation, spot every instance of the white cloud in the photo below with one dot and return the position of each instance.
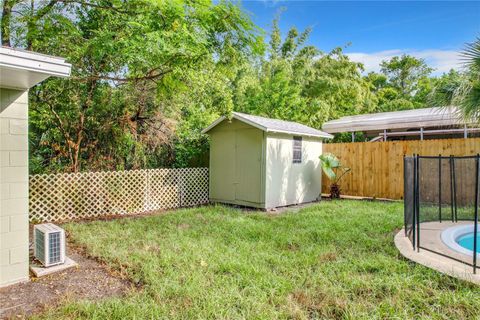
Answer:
(441, 60)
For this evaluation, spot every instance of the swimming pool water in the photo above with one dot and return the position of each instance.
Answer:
(466, 241)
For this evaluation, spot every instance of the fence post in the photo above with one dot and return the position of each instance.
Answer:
(475, 223)
(180, 187)
(418, 202)
(146, 197)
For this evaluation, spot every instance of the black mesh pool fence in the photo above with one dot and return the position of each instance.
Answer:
(408, 198)
(439, 189)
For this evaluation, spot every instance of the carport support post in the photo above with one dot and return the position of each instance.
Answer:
(475, 223)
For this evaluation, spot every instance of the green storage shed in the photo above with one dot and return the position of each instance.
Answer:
(264, 163)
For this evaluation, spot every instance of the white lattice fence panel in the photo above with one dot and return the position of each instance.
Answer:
(163, 189)
(61, 197)
(194, 187)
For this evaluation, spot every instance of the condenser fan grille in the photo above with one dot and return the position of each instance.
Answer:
(55, 247)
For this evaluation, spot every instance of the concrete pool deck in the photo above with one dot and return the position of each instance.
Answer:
(430, 238)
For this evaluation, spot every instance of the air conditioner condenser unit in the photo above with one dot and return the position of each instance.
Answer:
(49, 244)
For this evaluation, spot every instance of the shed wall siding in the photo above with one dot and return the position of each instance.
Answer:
(287, 182)
(14, 186)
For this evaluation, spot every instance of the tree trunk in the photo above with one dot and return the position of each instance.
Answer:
(77, 145)
(6, 20)
(31, 25)
(335, 191)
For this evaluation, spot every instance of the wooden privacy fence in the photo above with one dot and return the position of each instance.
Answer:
(377, 167)
(61, 197)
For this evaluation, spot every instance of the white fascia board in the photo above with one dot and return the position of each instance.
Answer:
(29, 61)
(21, 70)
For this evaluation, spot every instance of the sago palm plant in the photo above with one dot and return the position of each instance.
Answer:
(335, 171)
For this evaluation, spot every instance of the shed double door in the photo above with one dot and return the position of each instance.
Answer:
(248, 164)
(236, 166)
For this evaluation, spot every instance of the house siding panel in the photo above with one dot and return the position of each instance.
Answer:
(14, 178)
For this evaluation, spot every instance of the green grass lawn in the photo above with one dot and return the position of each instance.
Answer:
(333, 260)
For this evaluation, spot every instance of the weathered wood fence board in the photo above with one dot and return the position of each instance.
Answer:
(377, 167)
(61, 197)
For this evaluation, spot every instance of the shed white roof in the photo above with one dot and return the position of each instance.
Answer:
(273, 125)
(21, 69)
(407, 119)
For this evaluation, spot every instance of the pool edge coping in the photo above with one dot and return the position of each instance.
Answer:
(434, 261)
(450, 235)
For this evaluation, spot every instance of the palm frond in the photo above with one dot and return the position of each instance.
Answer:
(471, 103)
(471, 55)
(467, 95)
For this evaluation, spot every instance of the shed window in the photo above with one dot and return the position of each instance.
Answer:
(297, 149)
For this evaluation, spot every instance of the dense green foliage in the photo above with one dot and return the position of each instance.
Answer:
(148, 75)
(334, 260)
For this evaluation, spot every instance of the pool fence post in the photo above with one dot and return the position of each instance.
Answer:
(404, 189)
(451, 185)
(475, 223)
(418, 203)
(414, 213)
(454, 189)
(440, 187)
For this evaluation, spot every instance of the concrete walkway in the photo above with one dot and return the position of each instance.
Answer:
(431, 239)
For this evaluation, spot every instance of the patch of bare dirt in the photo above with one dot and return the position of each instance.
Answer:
(90, 280)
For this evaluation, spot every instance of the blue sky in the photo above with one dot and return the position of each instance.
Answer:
(432, 30)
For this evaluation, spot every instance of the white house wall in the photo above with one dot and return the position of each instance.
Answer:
(14, 186)
(287, 182)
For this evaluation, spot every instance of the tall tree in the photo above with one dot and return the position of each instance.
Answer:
(444, 88)
(5, 24)
(404, 73)
(299, 82)
(126, 57)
